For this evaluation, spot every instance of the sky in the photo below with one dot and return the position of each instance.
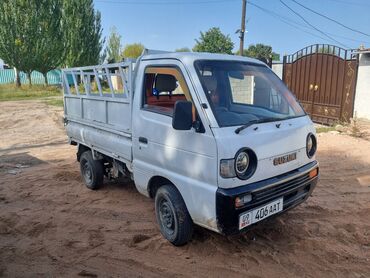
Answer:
(171, 24)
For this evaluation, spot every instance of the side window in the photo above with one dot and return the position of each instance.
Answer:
(163, 86)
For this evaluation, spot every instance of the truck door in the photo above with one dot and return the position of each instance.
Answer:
(187, 158)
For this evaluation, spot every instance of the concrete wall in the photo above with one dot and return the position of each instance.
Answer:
(278, 69)
(362, 95)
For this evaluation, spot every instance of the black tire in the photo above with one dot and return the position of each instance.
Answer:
(92, 171)
(173, 217)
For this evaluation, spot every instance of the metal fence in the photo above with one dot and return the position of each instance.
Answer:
(7, 76)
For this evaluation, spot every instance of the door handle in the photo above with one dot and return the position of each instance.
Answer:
(143, 140)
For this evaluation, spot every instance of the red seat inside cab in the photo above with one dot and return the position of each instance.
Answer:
(160, 90)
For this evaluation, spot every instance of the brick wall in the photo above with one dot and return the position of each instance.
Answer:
(242, 89)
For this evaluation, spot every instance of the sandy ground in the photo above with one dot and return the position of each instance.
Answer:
(51, 225)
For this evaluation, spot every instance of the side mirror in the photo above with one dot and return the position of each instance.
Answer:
(182, 118)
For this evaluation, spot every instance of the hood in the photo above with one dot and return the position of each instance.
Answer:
(268, 141)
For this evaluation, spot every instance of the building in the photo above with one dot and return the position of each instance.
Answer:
(362, 96)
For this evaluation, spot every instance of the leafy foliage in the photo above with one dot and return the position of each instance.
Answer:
(214, 41)
(114, 46)
(83, 33)
(49, 50)
(45, 34)
(17, 30)
(262, 52)
(326, 50)
(183, 49)
(132, 50)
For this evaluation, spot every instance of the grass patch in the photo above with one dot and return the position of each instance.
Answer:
(55, 102)
(10, 92)
(322, 129)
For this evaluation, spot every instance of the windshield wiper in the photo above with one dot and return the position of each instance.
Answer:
(259, 121)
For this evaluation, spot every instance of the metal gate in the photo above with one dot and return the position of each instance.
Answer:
(323, 78)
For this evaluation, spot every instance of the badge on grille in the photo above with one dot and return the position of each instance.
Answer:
(285, 158)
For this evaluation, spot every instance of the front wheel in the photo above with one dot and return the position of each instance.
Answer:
(92, 171)
(172, 215)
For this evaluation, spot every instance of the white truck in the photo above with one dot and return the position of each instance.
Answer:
(217, 140)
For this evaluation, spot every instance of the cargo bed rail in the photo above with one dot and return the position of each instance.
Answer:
(99, 96)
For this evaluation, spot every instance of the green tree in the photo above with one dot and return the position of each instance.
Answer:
(17, 34)
(326, 50)
(262, 52)
(43, 34)
(49, 49)
(83, 33)
(183, 49)
(132, 50)
(214, 41)
(114, 46)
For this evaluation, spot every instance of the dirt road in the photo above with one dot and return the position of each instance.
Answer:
(51, 225)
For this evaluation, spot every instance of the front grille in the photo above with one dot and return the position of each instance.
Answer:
(294, 187)
(297, 187)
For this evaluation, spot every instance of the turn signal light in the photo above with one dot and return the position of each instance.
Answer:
(240, 201)
(313, 173)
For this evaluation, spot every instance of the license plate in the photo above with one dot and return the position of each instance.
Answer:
(258, 214)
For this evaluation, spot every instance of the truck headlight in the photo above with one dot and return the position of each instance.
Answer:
(241, 163)
(242, 166)
(311, 145)
(245, 163)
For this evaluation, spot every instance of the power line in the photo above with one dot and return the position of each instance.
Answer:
(307, 22)
(287, 21)
(164, 2)
(328, 18)
(351, 3)
(297, 25)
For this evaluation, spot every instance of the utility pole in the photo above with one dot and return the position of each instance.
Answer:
(242, 28)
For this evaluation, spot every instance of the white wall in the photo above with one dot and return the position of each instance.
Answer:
(1, 64)
(362, 96)
(278, 69)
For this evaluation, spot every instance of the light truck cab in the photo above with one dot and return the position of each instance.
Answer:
(217, 140)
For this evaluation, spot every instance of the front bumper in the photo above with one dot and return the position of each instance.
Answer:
(295, 187)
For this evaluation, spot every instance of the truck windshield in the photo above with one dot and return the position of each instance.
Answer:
(242, 92)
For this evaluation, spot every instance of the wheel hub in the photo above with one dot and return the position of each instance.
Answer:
(166, 215)
(87, 172)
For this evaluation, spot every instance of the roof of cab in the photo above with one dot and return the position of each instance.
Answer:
(190, 57)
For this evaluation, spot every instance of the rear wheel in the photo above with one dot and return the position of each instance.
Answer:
(92, 171)
(172, 215)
